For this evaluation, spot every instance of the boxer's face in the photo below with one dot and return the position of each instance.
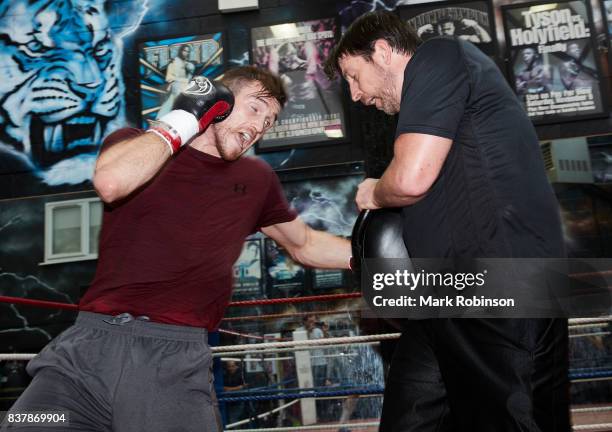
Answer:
(528, 55)
(184, 52)
(370, 83)
(574, 50)
(448, 29)
(252, 116)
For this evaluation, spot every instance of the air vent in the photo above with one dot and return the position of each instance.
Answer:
(567, 161)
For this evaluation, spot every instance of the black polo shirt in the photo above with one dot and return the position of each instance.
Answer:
(492, 197)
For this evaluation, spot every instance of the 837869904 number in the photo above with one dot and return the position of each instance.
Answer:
(38, 418)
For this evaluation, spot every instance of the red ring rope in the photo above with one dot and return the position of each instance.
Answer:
(326, 297)
(58, 305)
(40, 303)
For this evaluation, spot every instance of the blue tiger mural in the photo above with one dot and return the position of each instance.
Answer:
(62, 89)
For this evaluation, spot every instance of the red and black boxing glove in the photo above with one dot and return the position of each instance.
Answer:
(194, 109)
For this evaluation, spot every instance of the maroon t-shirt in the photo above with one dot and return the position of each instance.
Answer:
(167, 252)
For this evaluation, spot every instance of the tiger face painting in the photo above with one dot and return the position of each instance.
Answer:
(61, 89)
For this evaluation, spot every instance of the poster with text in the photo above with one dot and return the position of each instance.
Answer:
(314, 113)
(248, 277)
(166, 66)
(552, 60)
(471, 21)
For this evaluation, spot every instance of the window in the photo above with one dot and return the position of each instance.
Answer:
(72, 229)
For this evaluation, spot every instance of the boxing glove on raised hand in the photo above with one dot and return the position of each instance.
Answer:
(194, 109)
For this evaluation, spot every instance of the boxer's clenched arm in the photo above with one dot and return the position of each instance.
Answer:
(125, 166)
(310, 247)
(416, 164)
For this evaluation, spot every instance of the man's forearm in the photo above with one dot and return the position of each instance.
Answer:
(324, 250)
(387, 193)
(128, 165)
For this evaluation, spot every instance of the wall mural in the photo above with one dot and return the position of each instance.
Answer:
(62, 88)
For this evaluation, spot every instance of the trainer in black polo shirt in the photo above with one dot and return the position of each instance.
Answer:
(468, 173)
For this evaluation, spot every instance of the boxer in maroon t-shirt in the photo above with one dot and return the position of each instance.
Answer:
(180, 201)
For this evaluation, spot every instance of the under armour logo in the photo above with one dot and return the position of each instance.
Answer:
(199, 86)
(239, 188)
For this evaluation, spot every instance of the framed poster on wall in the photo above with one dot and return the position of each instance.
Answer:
(472, 21)
(315, 111)
(285, 277)
(325, 199)
(606, 10)
(551, 54)
(248, 276)
(167, 65)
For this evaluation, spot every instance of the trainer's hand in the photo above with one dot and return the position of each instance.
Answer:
(194, 109)
(365, 194)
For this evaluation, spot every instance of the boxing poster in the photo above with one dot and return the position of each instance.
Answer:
(606, 6)
(314, 112)
(326, 204)
(607, 15)
(285, 277)
(471, 21)
(248, 276)
(601, 161)
(552, 60)
(167, 65)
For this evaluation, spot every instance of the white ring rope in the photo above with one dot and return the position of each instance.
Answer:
(29, 356)
(282, 350)
(590, 320)
(16, 356)
(601, 333)
(255, 359)
(309, 342)
(262, 415)
(314, 427)
(576, 380)
(291, 345)
(591, 325)
(228, 350)
(592, 409)
(604, 426)
(246, 360)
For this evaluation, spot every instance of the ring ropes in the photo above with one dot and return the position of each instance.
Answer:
(317, 298)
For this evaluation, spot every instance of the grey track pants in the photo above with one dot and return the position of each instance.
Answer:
(123, 374)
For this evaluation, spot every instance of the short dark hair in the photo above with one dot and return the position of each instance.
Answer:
(360, 37)
(271, 84)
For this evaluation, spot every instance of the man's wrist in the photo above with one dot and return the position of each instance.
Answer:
(375, 201)
(176, 128)
(161, 133)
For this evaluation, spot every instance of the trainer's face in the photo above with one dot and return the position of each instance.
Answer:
(370, 83)
(252, 116)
